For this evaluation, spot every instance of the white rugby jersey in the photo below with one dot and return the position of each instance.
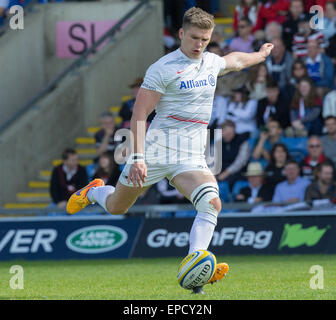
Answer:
(188, 88)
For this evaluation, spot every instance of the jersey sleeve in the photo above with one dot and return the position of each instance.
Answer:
(154, 80)
(220, 63)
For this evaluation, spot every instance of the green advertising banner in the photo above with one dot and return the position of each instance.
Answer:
(242, 235)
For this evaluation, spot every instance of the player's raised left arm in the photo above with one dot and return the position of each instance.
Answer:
(237, 61)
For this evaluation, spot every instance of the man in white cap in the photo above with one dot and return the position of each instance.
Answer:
(256, 191)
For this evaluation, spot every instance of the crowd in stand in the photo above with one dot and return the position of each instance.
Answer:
(277, 119)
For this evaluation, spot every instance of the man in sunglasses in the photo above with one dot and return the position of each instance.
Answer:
(315, 157)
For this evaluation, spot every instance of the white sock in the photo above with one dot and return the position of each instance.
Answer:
(201, 232)
(100, 194)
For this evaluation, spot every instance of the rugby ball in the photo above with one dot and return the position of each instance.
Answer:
(196, 269)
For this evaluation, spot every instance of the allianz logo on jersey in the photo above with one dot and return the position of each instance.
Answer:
(190, 84)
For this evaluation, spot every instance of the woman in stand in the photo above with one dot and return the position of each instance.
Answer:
(107, 170)
(305, 112)
(242, 111)
(274, 174)
(256, 81)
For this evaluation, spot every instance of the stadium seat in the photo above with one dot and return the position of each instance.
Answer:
(224, 191)
(185, 214)
(297, 147)
(252, 142)
(90, 170)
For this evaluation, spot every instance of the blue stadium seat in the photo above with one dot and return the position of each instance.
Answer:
(185, 214)
(263, 162)
(90, 170)
(297, 147)
(252, 142)
(16, 3)
(224, 191)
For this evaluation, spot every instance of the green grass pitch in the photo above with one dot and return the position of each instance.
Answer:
(250, 277)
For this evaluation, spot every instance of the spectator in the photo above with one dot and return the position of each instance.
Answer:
(299, 70)
(324, 187)
(243, 42)
(107, 170)
(168, 40)
(271, 10)
(306, 33)
(293, 188)
(260, 39)
(235, 153)
(309, 3)
(320, 67)
(274, 106)
(290, 26)
(329, 27)
(216, 37)
(269, 136)
(242, 111)
(215, 48)
(67, 178)
(256, 191)
(168, 194)
(256, 82)
(219, 111)
(279, 63)
(245, 9)
(105, 138)
(274, 171)
(127, 107)
(305, 111)
(273, 31)
(329, 140)
(331, 50)
(329, 105)
(315, 157)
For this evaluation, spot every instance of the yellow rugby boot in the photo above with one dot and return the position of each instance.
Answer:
(79, 200)
(221, 270)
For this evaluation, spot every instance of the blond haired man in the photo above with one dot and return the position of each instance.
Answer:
(180, 87)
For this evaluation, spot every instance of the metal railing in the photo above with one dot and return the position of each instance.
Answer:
(110, 34)
(233, 209)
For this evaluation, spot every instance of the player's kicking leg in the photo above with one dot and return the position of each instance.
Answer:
(116, 200)
(202, 190)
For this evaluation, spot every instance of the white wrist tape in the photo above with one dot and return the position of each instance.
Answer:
(136, 158)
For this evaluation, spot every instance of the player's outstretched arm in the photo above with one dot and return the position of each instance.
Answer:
(145, 103)
(237, 61)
